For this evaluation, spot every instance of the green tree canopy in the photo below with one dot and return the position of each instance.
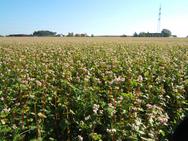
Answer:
(44, 33)
(166, 33)
(135, 35)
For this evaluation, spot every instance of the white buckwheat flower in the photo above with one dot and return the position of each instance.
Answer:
(111, 131)
(87, 118)
(95, 108)
(80, 138)
(140, 78)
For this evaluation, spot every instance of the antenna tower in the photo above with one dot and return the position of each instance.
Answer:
(159, 20)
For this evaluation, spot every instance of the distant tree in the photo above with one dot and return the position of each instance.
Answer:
(174, 36)
(123, 35)
(70, 34)
(142, 34)
(92, 35)
(148, 34)
(156, 34)
(60, 35)
(81, 35)
(135, 35)
(84, 35)
(166, 33)
(77, 35)
(44, 33)
(19, 35)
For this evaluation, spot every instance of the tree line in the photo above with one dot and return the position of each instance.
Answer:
(47, 33)
(164, 33)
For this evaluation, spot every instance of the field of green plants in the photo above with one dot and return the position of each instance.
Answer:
(92, 89)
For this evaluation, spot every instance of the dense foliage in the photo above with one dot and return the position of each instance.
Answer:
(44, 33)
(164, 33)
(92, 88)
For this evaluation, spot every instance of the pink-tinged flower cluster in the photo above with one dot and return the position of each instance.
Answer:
(117, 80)
(157, 114)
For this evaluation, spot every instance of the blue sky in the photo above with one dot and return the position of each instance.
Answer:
(96, 17)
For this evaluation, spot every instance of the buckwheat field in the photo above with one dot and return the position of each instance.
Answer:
(92, 89)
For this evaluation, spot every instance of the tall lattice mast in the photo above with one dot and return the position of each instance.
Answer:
(159, 20)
